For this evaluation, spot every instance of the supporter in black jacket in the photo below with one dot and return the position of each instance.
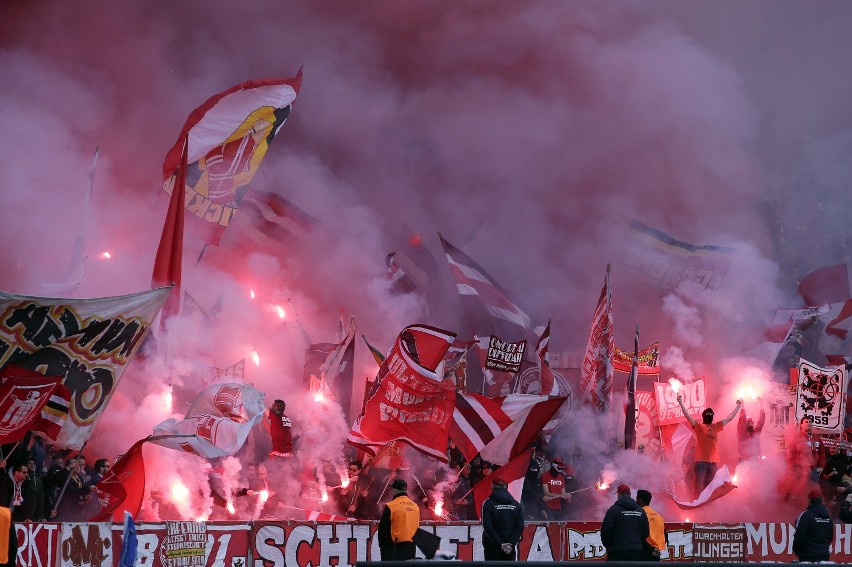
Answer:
(502, 523)
(624, 528)
(814, 531)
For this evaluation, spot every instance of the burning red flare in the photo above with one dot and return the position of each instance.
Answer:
(230, 508)
(105, 255)
(251, 293)
(255, 357)
(281, 313)
(675, 384)
(439, 507)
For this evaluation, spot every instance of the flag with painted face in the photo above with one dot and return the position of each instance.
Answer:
(226, 139)
(88, 342)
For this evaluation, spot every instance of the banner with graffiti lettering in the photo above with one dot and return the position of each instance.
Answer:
(821, 395)
(504, 356)
(86, 341)
(694, 398)
(649, 360)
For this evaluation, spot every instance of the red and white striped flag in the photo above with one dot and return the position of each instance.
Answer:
(549, 386)
(718, 487)
(529, 415)
(473, 281)
(597, 372)
(477, 420)
(512, 472)
(314, 516)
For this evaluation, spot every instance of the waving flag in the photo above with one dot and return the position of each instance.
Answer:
(54, 413)
(529, 415)
(411, 403)
(23, 394)
(129, 541)
(667, 261)
(630, 409)
(269, 218)
(123, 487)
(597, 372)
(86, 341)
(512, 472)
(217, 424)
(168, 263)
(226, 138)
(477, 420)
(313, 516)
(718, 487)
(825, 285)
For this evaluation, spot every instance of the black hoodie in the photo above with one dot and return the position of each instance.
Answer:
(625, 526)
(502, 519)
(814, 534)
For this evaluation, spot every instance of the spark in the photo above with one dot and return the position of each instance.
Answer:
(167, 399)
(675, 384)
(179, 492)
(105, 255)
(281, 313)
(230, 508)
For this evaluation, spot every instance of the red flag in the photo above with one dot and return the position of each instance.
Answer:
(825, 285)
(412, 403)
(167, 264)
(529, 415)
(23, 394)
(597, 371)
(269, 218)
(477, 420)
(512, 472)
(123, 487)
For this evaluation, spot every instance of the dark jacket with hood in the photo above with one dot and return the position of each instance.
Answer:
(625, 526)
(502, 519)
(814, 534)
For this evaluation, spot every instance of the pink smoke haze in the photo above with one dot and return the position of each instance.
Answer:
(529, 133)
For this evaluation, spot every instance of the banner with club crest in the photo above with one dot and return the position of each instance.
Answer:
(821, 395)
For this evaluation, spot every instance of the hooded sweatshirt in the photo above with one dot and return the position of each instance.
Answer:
(814, 534)
(625, 526)
(502, 519)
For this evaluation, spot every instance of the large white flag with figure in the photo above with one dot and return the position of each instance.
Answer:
(217, 424)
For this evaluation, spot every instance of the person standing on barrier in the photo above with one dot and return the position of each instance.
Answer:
(625, 528)
(502, 523)
(706, 443)
(656, 542)
(814, 531)
(400, 519)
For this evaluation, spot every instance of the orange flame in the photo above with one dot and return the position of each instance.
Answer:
(601, 485)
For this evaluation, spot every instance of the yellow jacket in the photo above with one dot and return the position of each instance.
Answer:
(658, 528)
(399, 521)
